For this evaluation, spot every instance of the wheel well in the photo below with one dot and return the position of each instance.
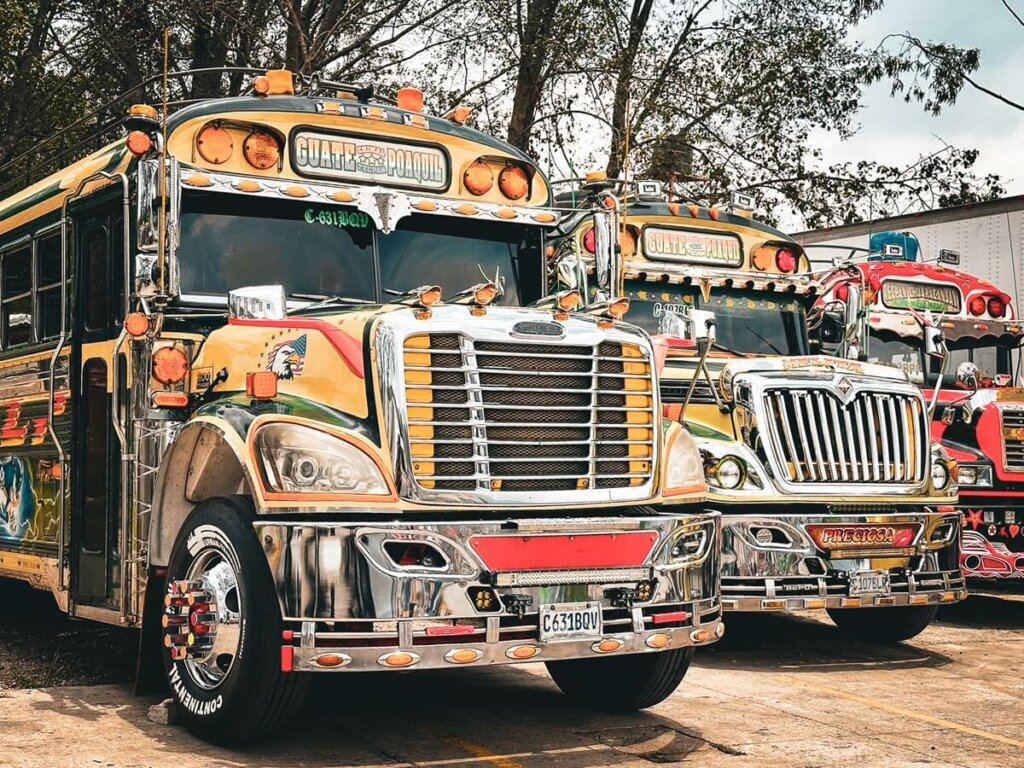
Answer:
(201, 464)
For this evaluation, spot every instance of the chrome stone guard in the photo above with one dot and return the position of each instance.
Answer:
(353, 601)
(496, 325)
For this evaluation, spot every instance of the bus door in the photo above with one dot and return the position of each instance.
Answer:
(96, 534)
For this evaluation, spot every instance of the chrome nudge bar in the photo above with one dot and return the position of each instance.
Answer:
(515, 408)
(838, 431)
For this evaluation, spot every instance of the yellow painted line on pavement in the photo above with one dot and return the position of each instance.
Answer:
(869, 702)
(481, 752)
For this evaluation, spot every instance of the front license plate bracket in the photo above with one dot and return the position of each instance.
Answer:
(569, 622)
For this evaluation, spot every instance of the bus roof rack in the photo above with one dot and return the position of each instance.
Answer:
(100, 126)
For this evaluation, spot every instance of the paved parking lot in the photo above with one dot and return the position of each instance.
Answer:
(776, 691)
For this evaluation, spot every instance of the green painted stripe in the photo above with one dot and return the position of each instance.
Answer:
(44, 194)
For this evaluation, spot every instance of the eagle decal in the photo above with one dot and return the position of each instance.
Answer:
(288, 358)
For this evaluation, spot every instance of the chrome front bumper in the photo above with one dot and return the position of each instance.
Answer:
(351, 605)
(792, 572)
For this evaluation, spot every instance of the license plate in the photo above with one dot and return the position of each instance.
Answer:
(570, 621)
(869, 583)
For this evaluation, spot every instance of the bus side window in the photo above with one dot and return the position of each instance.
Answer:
(95, 252)
(48, 258)
(17, 297)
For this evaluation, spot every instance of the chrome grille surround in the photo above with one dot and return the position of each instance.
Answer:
(488, 430)
(1011, 431)
(825, 432)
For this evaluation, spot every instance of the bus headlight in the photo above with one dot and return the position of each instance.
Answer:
(683, 464)
(975, 475)
(297, 459)
(728, 473)
(943, 472)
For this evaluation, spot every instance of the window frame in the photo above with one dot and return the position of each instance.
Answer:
(35, 290)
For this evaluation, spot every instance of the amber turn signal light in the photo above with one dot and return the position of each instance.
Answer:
(170, 365)
(215, 144)
(261, 385)
(478, 178)
(261, 150)
(410, 99)
(139, 143)
(513, 183)
(568, 300)
(136, 324)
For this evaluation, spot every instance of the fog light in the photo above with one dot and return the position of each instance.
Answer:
(522, 652)
(699, 635)
(607, 646)
(729, 473)
(462, 656)
(332, 660)
(398, 659)
(659, 640)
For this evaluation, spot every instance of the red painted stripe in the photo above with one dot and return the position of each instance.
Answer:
(351, 351)
(287, 658)
(588, 550)
(1000, 494)
(670, 618)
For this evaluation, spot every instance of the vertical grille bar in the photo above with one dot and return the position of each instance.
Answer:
(875, 437)
(477, 416)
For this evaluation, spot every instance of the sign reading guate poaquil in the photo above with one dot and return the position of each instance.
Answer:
(357, 158)
(692, 247)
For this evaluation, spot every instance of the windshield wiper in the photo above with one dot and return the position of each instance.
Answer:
(762, 338)
(326, 301)
(723, 348)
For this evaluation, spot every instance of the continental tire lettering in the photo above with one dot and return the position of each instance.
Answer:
(190, 702)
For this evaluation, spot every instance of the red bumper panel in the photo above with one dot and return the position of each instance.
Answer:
(854, 535)
(547, 552)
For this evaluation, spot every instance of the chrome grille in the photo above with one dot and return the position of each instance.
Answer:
(509, 416)
(1012, 422)
(875, 437)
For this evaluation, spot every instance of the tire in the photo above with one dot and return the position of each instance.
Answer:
(621, 683)
(883, 625)
(235, 692)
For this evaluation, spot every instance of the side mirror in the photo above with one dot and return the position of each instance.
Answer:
(934, 342)
(258, 302)
(606, 251)
(568, 270)
(967, 376)
(855, 322)
(696, 325)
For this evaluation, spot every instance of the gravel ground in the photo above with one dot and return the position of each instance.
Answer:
(41, 647)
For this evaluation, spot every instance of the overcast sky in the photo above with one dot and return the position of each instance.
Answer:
(892, 131)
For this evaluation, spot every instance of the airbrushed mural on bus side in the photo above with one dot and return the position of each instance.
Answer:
(17, 498)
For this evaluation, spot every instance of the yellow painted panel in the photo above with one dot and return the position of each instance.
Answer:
(639, 450)
(628, 350)
(637, 384)
(418, 395)
(638, 401)
(634, 433)
(638, 417)
(418, 377)
(423, 450)
(424, 431)
(419, 412)
(636, 369)
(418, 342)
(417, 358)
(423, 467)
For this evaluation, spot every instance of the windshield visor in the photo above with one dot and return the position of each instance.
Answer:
(319, 251)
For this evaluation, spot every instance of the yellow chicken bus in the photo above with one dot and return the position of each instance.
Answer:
(832, 493)
(284, 389)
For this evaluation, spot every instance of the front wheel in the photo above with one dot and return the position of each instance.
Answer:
(883, 625)
(621, 683)
(222, 629)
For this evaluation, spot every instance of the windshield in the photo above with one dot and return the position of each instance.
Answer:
(907, 354)
(319, 251)
(745, 322)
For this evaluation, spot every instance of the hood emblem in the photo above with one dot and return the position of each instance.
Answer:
(844, 386)
(535, 328)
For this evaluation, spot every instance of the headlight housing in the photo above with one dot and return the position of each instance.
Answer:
(975, 475)
(943, 472)
(728, 473)
(683, 465)
(296, 459)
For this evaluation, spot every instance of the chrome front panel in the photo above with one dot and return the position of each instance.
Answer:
(1011, 430)
(790, 572)
(837, 432)
(345, 595)
(484, 410)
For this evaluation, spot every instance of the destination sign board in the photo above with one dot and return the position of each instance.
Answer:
(692, 247)
(905, 294)
(362, 159)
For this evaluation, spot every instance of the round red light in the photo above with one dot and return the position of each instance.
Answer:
(589, 242)
(841, 292)
(785, 260)
(977, 306)
(996, 306)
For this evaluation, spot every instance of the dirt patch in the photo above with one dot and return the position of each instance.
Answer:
(41, 647)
